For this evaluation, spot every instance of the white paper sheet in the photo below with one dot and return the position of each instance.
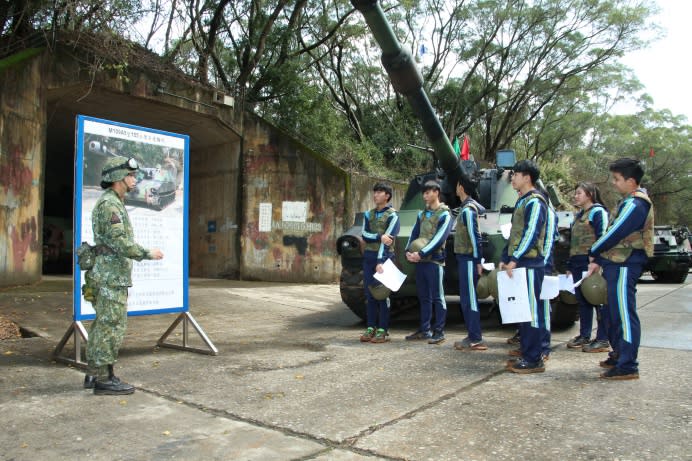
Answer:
(566, 282)
(550, 287)
(487, 266)
(505, 229)
(391, 276)
(583, 276)
(514, 296)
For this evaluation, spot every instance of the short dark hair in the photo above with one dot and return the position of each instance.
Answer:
(386, 188)
(628, 168)
(431, 185)
(468, 185)
(528, 167)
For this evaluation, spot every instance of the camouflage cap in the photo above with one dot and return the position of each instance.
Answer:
(116, 168)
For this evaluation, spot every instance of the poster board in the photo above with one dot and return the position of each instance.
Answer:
(157, 207)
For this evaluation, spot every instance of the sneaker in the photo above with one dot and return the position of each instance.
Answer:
(610, 362)
(381, 336)
(514, 339)
(467, 344)
(438, 337)
(368, 335)
(419, 335)
(514, 353)
(523, 367)
(619, 374)
(596, 346)
(577, 342)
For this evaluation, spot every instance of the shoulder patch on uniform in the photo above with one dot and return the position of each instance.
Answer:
(115, 219)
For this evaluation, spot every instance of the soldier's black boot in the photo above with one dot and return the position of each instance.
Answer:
(113, 385)
(89, 381)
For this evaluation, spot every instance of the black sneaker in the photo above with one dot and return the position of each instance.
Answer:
(578, 342)
(419, 335)
(113, 386)
(619, 374)
(610, 362)
(467, 345)
(597, 346)
(438, 337)
(89, 381)
(523, 367)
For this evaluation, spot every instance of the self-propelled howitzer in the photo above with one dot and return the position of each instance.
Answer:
(493, 185)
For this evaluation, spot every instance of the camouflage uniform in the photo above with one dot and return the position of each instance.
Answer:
(111, 275)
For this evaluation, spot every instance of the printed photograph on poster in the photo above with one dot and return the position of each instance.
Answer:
(157, 208)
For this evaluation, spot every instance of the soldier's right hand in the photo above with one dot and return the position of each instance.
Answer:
(156, 253)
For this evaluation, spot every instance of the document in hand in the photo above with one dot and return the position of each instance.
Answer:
(550, 287)
(514, 296)
(391, 276)
(567, 283)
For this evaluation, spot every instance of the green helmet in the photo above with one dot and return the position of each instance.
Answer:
(379, 291)
(568, 297)
(116, 168)
(594, 289)
(418, 245)
(482, 290)
(492, 284)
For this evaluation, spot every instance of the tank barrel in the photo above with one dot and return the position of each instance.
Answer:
(407, 80)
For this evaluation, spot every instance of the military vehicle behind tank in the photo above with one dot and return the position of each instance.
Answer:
(672, 255)
(494, 189)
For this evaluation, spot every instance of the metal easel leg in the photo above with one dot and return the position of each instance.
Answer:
(187, 320)
(80, 335)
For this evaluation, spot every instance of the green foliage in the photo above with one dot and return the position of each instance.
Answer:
(668, 177)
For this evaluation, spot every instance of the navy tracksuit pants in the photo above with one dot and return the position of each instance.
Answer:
(624, 331)
(431, 295)
(532, 334)
(377, 311)
(468, 277)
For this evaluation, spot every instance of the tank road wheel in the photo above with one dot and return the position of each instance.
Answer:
(669, 276)
(563, 315)
(352, 291)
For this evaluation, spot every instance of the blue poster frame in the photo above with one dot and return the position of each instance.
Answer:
(78, 315)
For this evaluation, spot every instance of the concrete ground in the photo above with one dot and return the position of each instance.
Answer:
(292, 382)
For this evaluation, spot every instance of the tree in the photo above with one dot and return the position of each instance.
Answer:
(668, 177)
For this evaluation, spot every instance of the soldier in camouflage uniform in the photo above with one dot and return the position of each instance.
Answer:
(111, 275)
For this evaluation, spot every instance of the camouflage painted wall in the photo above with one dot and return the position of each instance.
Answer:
(294, 209)
(22, 144)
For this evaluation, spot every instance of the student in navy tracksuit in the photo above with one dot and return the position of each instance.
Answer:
(380, 228)
(622, 252)
(468, 252)
(589, 224)
(433, 225)
(525, 249)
